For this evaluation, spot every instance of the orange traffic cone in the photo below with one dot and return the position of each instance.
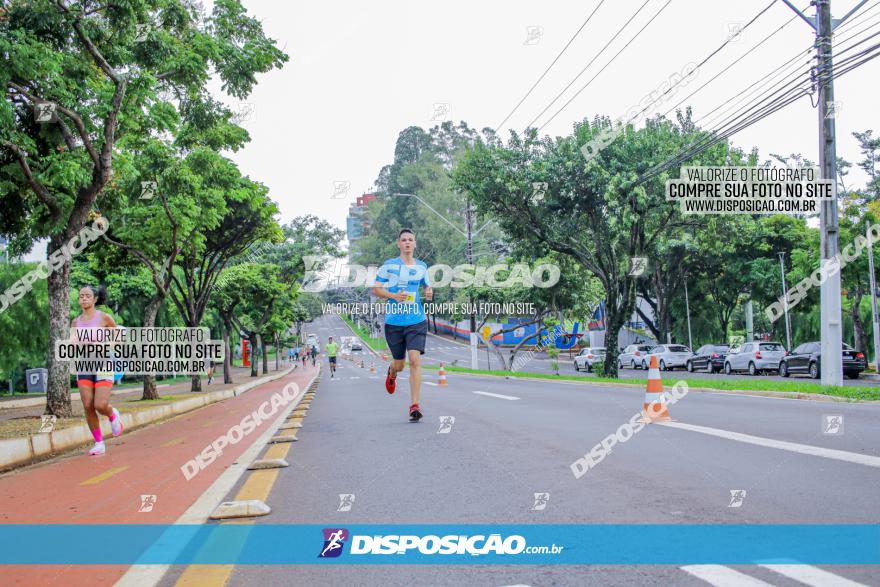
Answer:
(384, 357)
(372, 367)
(442, 374)
(654, 409)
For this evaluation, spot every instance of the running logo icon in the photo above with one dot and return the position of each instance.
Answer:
(832, 424)
(446, 423)
(541, 501)
(334, 540)
(737, 496)
(346, 500)
(47, 423)
(147, 503)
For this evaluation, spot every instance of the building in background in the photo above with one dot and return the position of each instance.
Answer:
(357, 223)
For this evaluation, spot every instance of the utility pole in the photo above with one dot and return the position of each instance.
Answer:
(469, 223)
(687, 309)
(874, 314)
(785, 301)
(830, 316)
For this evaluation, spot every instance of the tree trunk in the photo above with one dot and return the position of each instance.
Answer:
(858, 325)
(58, 283)
(150, 312)
(277, 352)
(255, 344)
(196, 383)
(614, 318)
(227, 356)
(265, 356)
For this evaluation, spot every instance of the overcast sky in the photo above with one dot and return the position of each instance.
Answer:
(360, 72)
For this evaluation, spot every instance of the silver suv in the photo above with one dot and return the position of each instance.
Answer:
(754, 357)
(632, 356)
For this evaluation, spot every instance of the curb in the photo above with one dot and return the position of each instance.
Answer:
(753, 392)
(15, 452)
(27, 402)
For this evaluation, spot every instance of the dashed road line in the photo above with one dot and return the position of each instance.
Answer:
(104, 476)
(498, 395)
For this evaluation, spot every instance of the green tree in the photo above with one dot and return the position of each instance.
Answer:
(596, 212)
(79, 77)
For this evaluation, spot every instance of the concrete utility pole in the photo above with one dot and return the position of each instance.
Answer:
(469, 223)
(830, 318)
(687, 309)
(785, 302)
(875, 316)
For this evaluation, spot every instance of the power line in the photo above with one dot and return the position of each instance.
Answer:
(750, 118)
(785, 65)
(703, 62)
(596, 56)
(740, 58)
(712, 54)
(570, 41)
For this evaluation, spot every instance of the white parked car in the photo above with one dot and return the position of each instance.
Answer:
(669, 356)
(632, 356)
(585, 359)
(754, 357)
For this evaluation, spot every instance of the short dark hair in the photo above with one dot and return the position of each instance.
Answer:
(403, 231)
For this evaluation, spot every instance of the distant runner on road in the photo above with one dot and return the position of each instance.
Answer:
(406, 325)
(94, 388)
(314, 353)
(330, 349)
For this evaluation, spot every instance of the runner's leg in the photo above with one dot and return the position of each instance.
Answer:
(415, 375)
(87, 395)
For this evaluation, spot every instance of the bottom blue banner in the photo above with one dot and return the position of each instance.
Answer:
(538, 544)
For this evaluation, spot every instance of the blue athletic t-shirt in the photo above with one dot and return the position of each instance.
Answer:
(401, 277)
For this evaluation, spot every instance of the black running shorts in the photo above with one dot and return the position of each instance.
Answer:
(401, 339)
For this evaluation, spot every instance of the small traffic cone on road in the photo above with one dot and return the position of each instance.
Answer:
(442, 376)
(654, 409)
(384, 357)
(372, 367)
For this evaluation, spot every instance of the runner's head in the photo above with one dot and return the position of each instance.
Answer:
(406, 241)
(91, 296)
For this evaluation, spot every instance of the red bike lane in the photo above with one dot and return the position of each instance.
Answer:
(108, 489)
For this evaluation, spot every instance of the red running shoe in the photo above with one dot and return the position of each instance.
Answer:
(390, 382)
(415, 414)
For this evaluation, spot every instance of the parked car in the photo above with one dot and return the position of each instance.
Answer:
(806, 358)
(754, 357)
(356, 346)
(632, 356)
(709, 357)
(669, 356)
(588, 356)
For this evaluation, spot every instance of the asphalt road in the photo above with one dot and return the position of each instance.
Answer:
(513, 438)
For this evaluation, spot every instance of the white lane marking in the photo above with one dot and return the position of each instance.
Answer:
(498, 395)
(813, 576)
(816, 451)
(429, 383)
(721, 576)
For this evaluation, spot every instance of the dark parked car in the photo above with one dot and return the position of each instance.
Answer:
(709, 357)
(807, 359)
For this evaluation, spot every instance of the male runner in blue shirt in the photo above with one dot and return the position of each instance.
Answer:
(406, 325)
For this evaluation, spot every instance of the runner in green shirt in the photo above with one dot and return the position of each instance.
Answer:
(331, 354)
